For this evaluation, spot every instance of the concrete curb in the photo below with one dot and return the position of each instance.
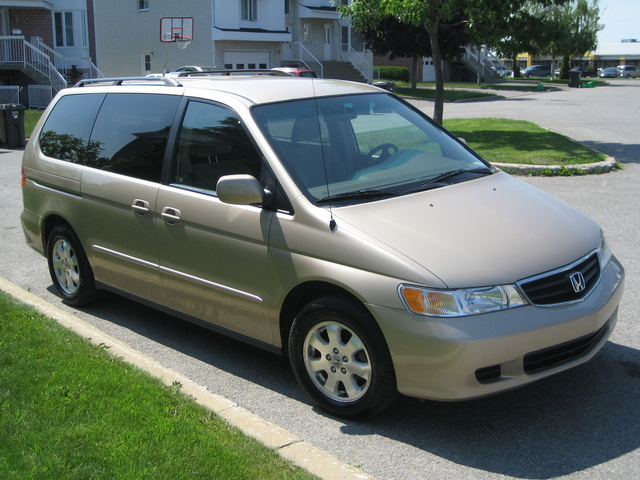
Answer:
(588, 168)
(283, 442)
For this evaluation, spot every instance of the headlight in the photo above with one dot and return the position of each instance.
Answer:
(604, 253)
(458, 303)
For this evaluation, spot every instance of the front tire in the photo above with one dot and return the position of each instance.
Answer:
(69, 268)
(340, 358)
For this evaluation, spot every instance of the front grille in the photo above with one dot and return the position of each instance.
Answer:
(552, 356)
(556, 287)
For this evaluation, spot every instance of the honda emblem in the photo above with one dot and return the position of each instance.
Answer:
(577, 282)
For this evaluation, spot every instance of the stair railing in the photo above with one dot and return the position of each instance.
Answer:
(301, 54)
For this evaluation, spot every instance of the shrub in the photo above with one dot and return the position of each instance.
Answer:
(398, 74)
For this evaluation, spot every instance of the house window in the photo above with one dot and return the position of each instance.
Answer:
(344, 40)
(146, 63)
(63, 26)
(287, 7)
(306, 32)
(249, 10)
(143, 5)
(85, 30)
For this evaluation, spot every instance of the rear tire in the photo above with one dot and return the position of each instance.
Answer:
(340, 358)
(69, 268)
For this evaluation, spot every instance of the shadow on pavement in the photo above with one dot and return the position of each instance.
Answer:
(549, 429)
(624, 153)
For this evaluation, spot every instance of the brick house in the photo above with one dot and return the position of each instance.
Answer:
(40, 41)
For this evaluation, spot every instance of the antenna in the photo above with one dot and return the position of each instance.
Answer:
(332, 223)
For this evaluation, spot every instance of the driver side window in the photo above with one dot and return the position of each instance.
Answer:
(213, 143)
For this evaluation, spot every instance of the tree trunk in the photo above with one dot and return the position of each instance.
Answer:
(414, 72)
(438, 108)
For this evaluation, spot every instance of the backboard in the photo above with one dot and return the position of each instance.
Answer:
(176, 29)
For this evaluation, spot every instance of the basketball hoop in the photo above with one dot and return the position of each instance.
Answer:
(183, 43)
(178, 30)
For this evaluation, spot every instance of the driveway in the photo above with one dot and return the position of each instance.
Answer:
(581, 424)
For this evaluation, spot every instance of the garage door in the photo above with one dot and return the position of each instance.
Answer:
(244, 60)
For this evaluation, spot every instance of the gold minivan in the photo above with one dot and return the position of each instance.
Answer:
(327, 221)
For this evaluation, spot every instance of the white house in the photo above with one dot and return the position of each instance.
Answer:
(236, 34)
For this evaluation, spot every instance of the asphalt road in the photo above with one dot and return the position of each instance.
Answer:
(581, 424)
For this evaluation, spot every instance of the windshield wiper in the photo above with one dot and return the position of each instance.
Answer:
(454, 173)
(439, 180)
(358, 195)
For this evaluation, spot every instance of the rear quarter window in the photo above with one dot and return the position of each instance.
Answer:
(121, 133)
(66, 132)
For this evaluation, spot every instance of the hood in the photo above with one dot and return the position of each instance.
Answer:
(493, 230)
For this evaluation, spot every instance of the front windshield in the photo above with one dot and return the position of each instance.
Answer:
(363, 147)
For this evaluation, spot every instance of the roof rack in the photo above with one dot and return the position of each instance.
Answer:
(227, 72)
(168, 81)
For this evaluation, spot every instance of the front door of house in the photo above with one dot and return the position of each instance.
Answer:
(328, 42)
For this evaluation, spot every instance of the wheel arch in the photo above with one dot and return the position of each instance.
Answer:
(302, 295)
(49, 223)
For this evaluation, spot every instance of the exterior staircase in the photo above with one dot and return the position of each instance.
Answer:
(41, 63)
(353, 66)
(482, 63)
(343, 71)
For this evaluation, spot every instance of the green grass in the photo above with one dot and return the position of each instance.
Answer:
(466, 90)
(452, 86)
(430, 93)
(31, 117)
(71, 410)
(518, 141)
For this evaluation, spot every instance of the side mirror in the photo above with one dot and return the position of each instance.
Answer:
(241, 190)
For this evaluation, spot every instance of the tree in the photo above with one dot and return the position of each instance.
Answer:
(430, 15)
(525, 30)
(394, 38)
(483, 21)
(576, 28)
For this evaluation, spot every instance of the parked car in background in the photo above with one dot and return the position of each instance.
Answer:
(501, 71)
(584, 72)
(536, 71)
(195, 69)
(609, 72)
(628, 71)
(297, 72)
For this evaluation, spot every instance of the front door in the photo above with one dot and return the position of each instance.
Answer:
(213, 256)
(328, 42)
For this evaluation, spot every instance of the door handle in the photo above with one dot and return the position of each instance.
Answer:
(141, 208)
(171, 216)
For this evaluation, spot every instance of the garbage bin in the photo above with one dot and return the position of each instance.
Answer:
(11, 125)
(574, 79)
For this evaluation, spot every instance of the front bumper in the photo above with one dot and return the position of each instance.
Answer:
(469, 357)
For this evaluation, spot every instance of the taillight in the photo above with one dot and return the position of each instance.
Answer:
(23, 181)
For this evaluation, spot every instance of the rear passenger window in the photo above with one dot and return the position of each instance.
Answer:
(132, 131)
(65, 135)
(213, 143)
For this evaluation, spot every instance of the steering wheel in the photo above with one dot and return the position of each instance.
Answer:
(386, 151)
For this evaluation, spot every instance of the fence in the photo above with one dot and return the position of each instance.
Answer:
(10, 94)
(40, 96)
